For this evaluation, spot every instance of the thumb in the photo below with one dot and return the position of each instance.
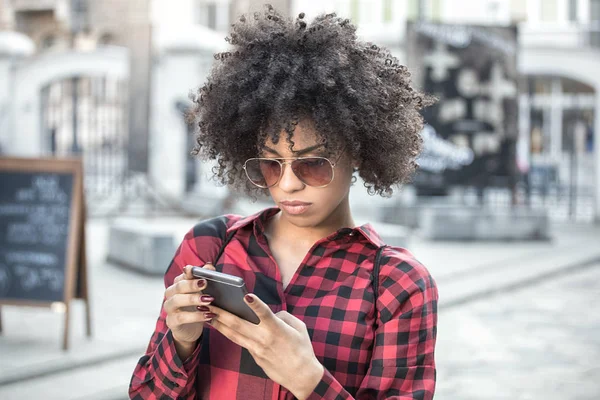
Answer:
(210, 266)
(262, 311)
(187, 270)
(291, 320)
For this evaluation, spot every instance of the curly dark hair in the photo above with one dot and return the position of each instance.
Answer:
(279, 71)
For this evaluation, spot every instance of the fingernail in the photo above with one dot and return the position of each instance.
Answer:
(203, 308)
(249, 298)
(207, 299)
(209, 315)
(201, 283)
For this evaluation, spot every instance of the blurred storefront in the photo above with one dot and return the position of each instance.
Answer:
(169, 46)
(558, 117)
(559, 88)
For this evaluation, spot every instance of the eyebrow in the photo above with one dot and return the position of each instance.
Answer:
(298, 152)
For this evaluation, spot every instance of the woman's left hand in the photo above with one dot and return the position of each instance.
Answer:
(279, 344)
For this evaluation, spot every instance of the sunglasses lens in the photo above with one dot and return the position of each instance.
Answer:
(316, 171)
(263, 173)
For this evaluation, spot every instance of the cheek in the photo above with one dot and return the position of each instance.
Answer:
(343, 178)
(337, 190)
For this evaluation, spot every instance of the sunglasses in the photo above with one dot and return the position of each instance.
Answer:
(316, 172)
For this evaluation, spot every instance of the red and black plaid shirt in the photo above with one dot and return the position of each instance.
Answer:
(382, 352)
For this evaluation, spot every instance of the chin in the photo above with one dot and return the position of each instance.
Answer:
(303, 220)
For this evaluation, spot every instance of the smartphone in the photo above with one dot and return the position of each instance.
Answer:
(228, 292)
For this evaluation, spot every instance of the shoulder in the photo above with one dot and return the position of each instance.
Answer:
(204, 238)
(400, 264)
(403, 280)
(215, 227)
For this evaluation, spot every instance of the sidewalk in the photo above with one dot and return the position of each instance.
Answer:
(125, 306)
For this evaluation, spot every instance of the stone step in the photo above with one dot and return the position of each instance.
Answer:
(461, 288)
(107, 381)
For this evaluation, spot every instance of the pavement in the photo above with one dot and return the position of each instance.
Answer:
(512, 315)
(540, 342)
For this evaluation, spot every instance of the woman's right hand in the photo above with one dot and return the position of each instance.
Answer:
(183, 304)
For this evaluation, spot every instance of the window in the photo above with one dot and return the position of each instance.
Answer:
(48, 42)
(208, 14)
(387, 11)
(413, 10)
(106, 39)
(595, 20)
(595, 10)
(518, 10)
(549, 10)
(355, 11)
(436, 10)
(573, 10)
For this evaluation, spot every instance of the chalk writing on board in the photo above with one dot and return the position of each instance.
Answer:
(32, 278)
(33, 257)
(45, 211)
(35, 269)
(35, 211)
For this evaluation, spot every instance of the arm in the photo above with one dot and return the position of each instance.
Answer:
(161, 372)
(402, 364)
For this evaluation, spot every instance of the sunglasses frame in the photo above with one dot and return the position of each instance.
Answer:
(285, 161)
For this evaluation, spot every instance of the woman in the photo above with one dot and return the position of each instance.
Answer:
(294, 110)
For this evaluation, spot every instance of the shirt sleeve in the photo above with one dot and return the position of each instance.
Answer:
(160, 373)
(402, 364)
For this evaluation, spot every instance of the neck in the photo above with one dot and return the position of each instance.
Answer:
(341, 217)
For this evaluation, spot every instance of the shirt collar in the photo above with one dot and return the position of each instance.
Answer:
(370, 234)
(366, 230)
(262, 215)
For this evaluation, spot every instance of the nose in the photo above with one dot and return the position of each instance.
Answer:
(289, 182)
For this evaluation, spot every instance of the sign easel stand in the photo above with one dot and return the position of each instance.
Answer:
(76, 275)
(80, 291)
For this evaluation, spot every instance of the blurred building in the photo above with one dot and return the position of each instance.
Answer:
(135, 62)
(559, 107)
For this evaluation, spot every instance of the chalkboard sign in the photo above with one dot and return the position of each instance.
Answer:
(42, 231)
(34, 227)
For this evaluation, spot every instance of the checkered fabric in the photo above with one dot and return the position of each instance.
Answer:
(369, 352)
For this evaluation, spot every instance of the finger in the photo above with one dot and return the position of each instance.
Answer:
(262, 311)
(187, 272)
(179, 278)
(291, 320)
(187, 317)
(182, 300)
(231, 334)
(234, 322)
(185, 286)
(209, 266)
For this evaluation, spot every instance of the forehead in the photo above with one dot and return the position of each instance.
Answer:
(304, 136)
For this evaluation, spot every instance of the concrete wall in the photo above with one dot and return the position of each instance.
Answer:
(5, 89)
(23, 131)
(183, 56)
(175, 74)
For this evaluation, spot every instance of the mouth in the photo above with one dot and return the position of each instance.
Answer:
(294, 207)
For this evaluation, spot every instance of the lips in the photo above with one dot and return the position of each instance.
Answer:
(294, 203)
(294, 207)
